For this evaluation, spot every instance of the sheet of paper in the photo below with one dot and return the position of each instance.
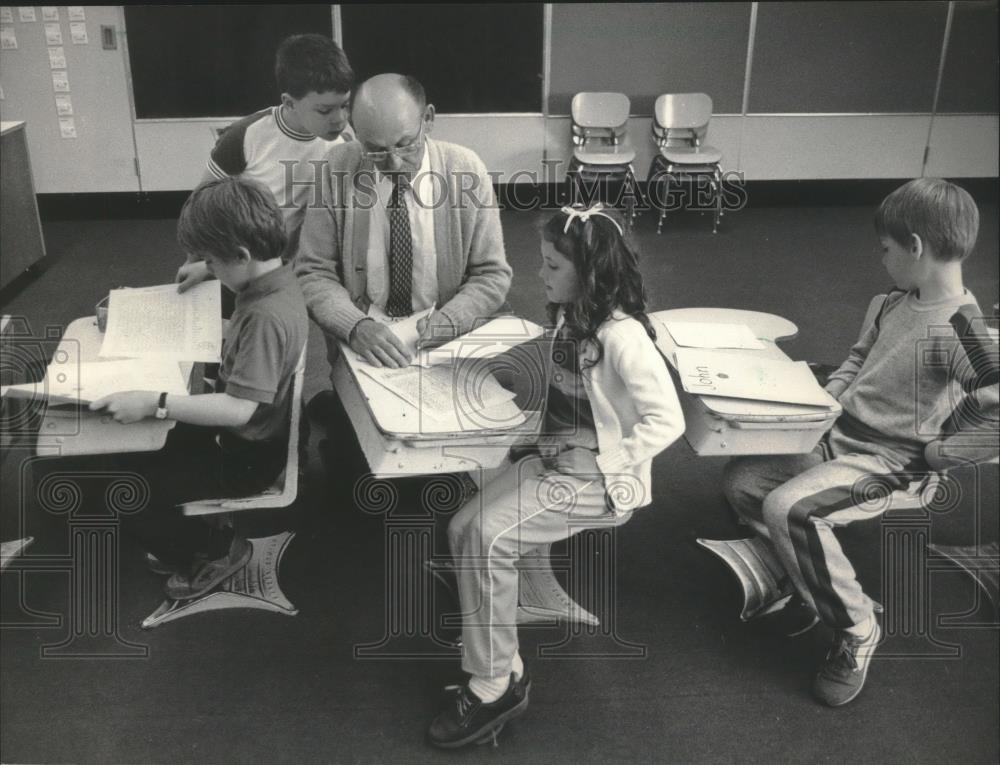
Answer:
(78, 33)
(7, 14)
(67, 127)
(491, 339)
(8, 38)
(701, 334)
(76, 12)
(50, 13)
(81, 383)
(159, 322)
(27, 13)
(53, 34)
(57, 58)
(751, 376)
(440, 390)
(60, 82)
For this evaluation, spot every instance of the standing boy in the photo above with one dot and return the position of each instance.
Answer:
(233, 442)
(900, 389)
(283, 147)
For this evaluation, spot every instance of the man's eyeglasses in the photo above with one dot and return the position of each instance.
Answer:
(400, 152)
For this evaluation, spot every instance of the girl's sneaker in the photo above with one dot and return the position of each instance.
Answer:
(467, 719)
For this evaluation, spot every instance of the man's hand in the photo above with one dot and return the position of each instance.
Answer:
(191, 274)
(435, 330)
(577, 462)
(377, 345)
(127, 407)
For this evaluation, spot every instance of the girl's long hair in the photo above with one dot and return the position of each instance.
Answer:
(608, 270)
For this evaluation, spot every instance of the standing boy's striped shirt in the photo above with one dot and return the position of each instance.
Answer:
(264, 148)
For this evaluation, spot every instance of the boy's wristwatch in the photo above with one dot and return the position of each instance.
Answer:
(161, 407)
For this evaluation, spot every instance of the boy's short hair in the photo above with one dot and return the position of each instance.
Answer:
(224, 214)
(307, 63)
(942, 214)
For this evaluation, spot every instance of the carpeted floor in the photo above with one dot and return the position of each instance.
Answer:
(673, 677)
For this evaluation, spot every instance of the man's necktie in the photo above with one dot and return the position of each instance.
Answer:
(400, 301)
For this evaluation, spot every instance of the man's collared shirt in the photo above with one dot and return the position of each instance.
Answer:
(420, 198)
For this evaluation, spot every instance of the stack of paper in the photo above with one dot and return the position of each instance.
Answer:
(751, 376)
(160, 322)
(489, 340)
(461, 395)
(456, 395)
(150, 331)
(85, 382)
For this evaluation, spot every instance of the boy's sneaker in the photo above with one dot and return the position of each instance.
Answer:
(842, 674)
(322, 408)
(466, 718)
(157, 566)
(796, 617)
(209, 574)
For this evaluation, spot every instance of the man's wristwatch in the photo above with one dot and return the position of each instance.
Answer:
(161, 407)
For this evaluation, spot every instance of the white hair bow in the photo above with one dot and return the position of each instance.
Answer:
(584, 216)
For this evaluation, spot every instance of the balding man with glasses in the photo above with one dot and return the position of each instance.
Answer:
(406, 223)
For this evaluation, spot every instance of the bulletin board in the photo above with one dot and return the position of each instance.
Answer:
(853, 57)
(211, 60)
(645, 49)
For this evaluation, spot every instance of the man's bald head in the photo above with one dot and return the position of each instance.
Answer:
(385, 95)
(389, 112)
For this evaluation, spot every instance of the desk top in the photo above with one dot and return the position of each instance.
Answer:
(769, 329)
(74, 431)
(8, 126)
(398, 419)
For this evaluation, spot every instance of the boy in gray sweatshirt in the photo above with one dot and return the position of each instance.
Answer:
(918, 391)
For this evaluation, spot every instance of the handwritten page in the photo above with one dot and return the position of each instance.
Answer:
(751, 376)
(81, 383)
(159, 322)
(491, 339)
(440, 391)
(703, 334)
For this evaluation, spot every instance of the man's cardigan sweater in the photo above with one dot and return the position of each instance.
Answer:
(472, 271)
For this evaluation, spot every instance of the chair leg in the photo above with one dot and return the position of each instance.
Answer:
(718, 200)
(664, 178)
(716, 213)
(633, 189)
(572, 178)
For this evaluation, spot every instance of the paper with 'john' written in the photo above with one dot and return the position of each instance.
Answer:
(749, 375)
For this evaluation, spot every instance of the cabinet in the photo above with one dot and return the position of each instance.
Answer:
(21, 242)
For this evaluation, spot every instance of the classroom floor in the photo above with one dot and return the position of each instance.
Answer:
(251, 686)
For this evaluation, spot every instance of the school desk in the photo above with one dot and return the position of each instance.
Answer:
(76, 431)
(721, 426)
(398, 439)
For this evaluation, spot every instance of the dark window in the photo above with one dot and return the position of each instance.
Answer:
(211, 60)
(470, 58)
